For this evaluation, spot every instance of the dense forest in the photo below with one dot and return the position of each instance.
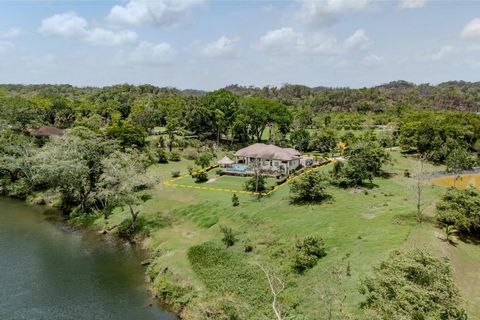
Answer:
(113, 138)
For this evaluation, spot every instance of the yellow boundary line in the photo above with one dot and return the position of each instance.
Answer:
(169, 183)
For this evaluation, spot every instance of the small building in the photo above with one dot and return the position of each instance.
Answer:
(46, 131)
(225, 161)
(269, 157)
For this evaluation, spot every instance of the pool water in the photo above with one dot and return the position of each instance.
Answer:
(238, 167)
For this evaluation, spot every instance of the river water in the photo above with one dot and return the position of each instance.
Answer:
(50, 272)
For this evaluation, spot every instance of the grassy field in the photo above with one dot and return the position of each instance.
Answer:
(359, 227)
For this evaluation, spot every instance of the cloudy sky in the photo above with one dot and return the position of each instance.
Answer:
(209, 44)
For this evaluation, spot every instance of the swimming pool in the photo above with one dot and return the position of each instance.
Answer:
(238, 167)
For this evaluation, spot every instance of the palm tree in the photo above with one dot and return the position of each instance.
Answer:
(451, 234)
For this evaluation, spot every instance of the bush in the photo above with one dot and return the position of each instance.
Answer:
(235, 201)
(461, 209)
(200, 177)
(228, 236)
(175, 174)
(255, 185)
(406, 173)
(190, 153)
(308, 252)
(411, 285)
(175, 156)
(310, 187)
(204, 160)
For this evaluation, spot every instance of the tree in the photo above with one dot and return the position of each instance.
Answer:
(128, 134)
(123, 176)
(364, 162)
(257, 182)
(461, 209)
(324, 141)
(458, 160)
(300, 139)
(262, 113)
(73, 166)
(310, 187)
(204, 160)
(419, 186)
(411, 285)
(19, 112)
(276, 287)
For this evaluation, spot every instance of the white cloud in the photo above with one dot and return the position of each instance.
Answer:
(285, 41)
(324, 13)
(5, 46)
(10, 33)
(282, 42)
(221, 48)
(67, 24)
(324, 44)
(100, 36)
(442, 53)
(70, 25)
(411, 4)
(154, 13)
(373, 60)
(358, 40)
(152, 54)
(471, 29)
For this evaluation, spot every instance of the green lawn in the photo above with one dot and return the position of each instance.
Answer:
(360, 227)
(222, 182)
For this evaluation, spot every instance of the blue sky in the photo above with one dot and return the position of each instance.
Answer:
(209, 44)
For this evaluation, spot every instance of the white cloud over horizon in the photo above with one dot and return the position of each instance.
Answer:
(71, 25)
(164, 13)
(223, 47)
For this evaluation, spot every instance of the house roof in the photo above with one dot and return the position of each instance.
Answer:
(46, 131)
(269, 152)
(225, 160)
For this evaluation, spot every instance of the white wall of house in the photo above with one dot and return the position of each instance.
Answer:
(274, 165)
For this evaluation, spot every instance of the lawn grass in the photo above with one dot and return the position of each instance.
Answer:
(360, 226)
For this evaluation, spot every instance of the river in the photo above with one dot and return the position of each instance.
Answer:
(48, 271)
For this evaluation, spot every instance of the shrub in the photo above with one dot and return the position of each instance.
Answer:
(461, 209)
(175, 156)
(204, 160)
(308, 252)
(175, 174)
(406, 173)
(411, 285)
(228, 236)
(255, 184)
(190, 153)
(235, 201)
(200, 177)
(310, 187)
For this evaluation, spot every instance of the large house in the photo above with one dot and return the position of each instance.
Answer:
(269, 157)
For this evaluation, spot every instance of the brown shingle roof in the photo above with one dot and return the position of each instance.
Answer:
(268, 152)
(46, 131)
